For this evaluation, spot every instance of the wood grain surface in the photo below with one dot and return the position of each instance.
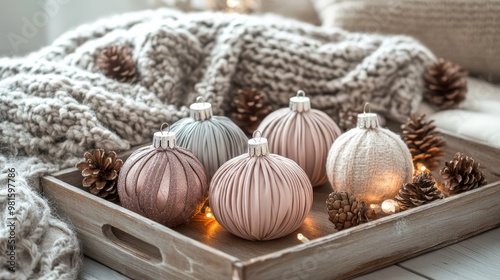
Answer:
(202, 249)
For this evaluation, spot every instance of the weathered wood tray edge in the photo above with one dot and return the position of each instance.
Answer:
(339, 255)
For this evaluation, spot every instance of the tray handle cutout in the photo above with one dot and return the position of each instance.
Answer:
(132, 244)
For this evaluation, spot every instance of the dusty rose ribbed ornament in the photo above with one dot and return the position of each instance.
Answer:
(213, 139)
(303, 135)
(260, 196)
(369, 161)
(163, 182)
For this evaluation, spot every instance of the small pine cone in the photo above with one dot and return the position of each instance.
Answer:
(100, 171)
(422, 191)
(348, 118)
(348, 115)
(248, 107)
(343, 209)
(117, 62)
(422, 141)
(445, 84)
(461, 174)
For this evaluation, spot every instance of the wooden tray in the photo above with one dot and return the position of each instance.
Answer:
(202, 249)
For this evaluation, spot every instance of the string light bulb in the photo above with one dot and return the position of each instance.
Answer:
(208, 213)
(420, 168)
(302, 238)
(389, 206)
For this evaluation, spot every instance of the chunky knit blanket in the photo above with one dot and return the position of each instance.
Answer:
(55, 104)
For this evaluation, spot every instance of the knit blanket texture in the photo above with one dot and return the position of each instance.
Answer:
(55, 104)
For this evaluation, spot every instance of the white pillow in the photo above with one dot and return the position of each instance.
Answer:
(464, 31)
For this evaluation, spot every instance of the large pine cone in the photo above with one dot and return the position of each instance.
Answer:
(249, 107)
(421, 191)
(422, 141)
(462, 174)
(117, 62)
(343, 209)
(446, 84)
(100, 171)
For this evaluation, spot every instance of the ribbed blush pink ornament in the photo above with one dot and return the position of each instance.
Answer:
(260, 196)
(302, 134)
(163, 182)
(369, 161)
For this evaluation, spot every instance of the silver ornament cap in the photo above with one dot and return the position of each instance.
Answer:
(300, 102)
(200, 110)
(163, 139)
(367, 120)
(257, 146)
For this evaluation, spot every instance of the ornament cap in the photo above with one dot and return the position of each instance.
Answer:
(300, 102)
(200, 110)
(257, 146)
(162, 139)
(367, 120)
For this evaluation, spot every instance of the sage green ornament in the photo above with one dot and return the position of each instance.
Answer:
(212, 139)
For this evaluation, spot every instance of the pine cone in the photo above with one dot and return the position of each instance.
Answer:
(422, 140)
(118, 63)
(248, 107)
(348, 115)
(344, 209)
(461, 174)
(100, 171)
(423, 190)
(446, 84)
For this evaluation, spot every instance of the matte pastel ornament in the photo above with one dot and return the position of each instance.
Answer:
(302, 134)
(260, 196)
(163, 182)
(369, 161)
(213, 139)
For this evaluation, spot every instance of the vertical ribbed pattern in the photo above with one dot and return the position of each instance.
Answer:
(213, 141)
(168, 186)
(304, 137)
(371, 163)
(260, 197)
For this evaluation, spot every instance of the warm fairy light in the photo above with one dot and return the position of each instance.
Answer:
(389, 206)
(208, 213)
(420, 168)
(375, 208)
(302, 238)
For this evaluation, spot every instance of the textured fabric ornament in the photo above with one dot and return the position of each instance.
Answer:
(369, 161)
(260, 196)
(303, 135)
(213, 139)
(461, 174)
(163, 182)
(100, 171)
